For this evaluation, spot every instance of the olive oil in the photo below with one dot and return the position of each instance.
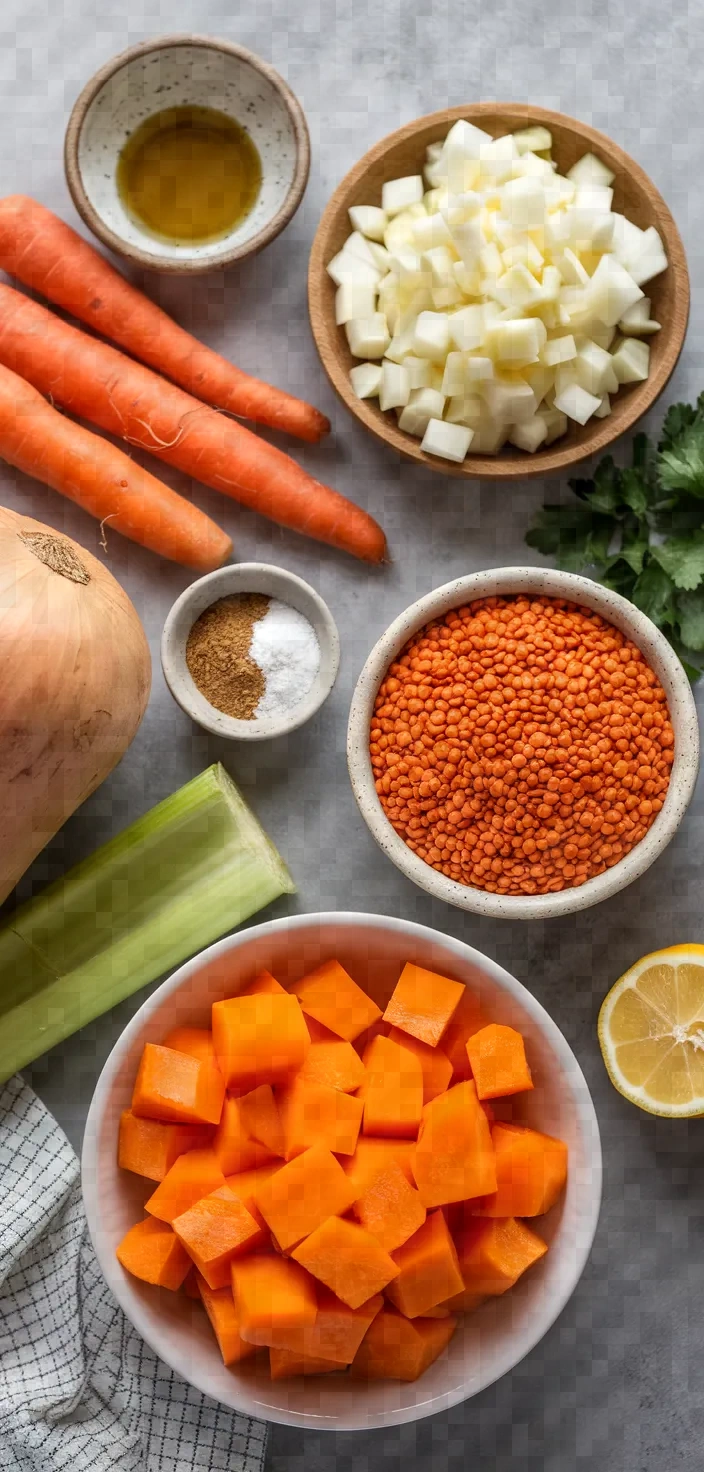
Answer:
(189, 175)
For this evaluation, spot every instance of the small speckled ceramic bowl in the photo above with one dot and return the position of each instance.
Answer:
(662, 660)
(177, 71)
(247, 577)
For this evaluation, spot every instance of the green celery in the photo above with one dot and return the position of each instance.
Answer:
(193, 868)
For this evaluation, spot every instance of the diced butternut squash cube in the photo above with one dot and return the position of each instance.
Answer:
(303, 1194)
(264, 985)
(331, 1061)
(151, 1251)
(259, 1112)
(245, 1184)
(392, 1090)
(315, 1114)
(234, 1146)
(429, 1272)
(348, 1260)
(283, 1364)
(271, 1292)
(465, 1021)
(497, 1057)
(493, 1253)
(149, 1147)
(531, 1170)
(331, 996)
(390, 1208)
(337, 1332)
(219, 1305)
(213, 1230)
(260, 1039)
(196, 1041)
(436, 1066)
(191, 1177)
(454, 1156)
(372, 1157)
(396, 1348)
(423, 1003)
(177, 1088)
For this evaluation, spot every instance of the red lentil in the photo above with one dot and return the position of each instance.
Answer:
(521, 745)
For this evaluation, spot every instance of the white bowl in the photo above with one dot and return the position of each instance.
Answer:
(659, 655)
(247, 577)
(175, 71)
(486, 1344)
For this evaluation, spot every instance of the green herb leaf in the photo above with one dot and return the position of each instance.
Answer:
(654, 594)
(690, 614)
(679, 417)
(681, 462)
(683, 559)
(603, 492)
(573, 535)
(620, 576)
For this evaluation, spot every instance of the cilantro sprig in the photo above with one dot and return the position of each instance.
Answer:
(640, 530)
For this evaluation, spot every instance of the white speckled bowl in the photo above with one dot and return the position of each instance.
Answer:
(660, 656)
(247, 577)
(487, 1343)
(171, 72)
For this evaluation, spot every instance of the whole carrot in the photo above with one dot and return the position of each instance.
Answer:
(98, 383)
(48, 256)
(103, 480)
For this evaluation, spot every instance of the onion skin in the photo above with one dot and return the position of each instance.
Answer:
(75, 676)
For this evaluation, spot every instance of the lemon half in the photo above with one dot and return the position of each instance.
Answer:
(651, 1031)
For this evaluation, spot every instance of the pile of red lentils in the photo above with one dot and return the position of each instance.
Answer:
(521, 745)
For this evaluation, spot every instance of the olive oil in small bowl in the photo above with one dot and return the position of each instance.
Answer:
(186, 154)
(189, 174)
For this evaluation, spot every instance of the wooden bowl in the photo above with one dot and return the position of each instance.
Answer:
(403, 152)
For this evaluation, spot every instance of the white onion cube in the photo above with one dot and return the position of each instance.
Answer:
(558, 350)
(516, 343)
(395, 388)
(431, 338)
(346, 266)
(399, 194)
(533, 140)
(466, 328)
(368, 337)
(479, 369)
(530, 435)
(631, 361)
(369, 220)
(354, 299)
(418, 370)
(523, 203)
(612, 291)
(576, 403)
(590, 170)
(424, 404)
(594, 370)
(450, 441)
(366, 380)
(556, 423)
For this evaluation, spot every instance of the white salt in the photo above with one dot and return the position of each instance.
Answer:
(285, 646)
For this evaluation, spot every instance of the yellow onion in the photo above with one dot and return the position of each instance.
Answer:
(75, 674)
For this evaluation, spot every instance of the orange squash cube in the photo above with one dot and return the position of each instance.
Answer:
(235, 1148)
(348, 1260)
(497, 1057)
(436, 1066)
(337, 1332)
(259, 1112)
(372, 1156)
(454, 1156)
(465, 1021)
(152, 1252)
(245, 1184)
(331, 1061)
(213, 1230)
(396, 1348)
(331, 996)
(271, 1292)
(260, 1039)
(177, 1088)
(264, 985)
(390, 1208)
(191, 1177)
(283, 1364)
(393, 1090)
(315, 1114)
(303, 1194)
(429, 1270)
(149, 1147)
(196, 1041)
(494, 1253)
(219, 1305)
(423, 1003)
(531, 1170)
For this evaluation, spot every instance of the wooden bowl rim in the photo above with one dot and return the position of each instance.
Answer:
(229, 255)
(603, 432)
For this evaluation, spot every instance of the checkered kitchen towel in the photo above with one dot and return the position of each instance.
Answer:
(79, 1389)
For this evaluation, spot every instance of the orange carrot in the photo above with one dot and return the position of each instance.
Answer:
(35, 438)
(48, 256)
(96, 382)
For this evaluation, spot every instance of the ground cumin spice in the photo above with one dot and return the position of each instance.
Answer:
(521, 745)
(217, 654)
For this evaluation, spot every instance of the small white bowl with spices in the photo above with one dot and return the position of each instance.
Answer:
(250, 652)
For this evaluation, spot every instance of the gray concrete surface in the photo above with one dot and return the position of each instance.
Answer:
(618, 1382)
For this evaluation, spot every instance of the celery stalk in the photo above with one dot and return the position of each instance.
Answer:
(194, 867)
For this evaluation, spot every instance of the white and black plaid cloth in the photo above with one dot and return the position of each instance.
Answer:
(79, 1388)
